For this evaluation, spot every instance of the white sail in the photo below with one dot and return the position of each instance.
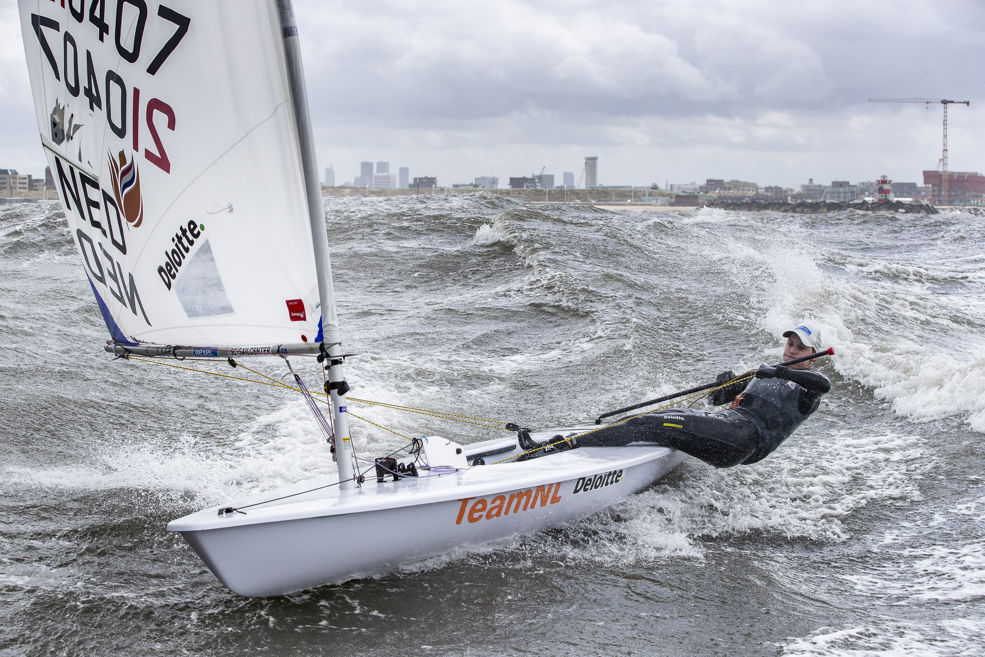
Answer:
(172, 137)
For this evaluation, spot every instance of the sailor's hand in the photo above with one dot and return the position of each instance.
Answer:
(766, 372)
(725, 390)
(778, 372)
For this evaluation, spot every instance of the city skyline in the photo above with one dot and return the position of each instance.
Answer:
(767, 91)
(588, 180)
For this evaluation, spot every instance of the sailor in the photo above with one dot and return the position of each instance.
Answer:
(762, 413)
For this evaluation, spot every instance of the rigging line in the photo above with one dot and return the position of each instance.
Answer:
(270, 382)
(327, 429)
(284, 497)
(465, 419)
(371, 465)
(323, 398)
(274, 383)
(741, 377)
(267, 376)
(380, 426)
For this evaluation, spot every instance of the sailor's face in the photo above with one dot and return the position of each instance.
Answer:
(796, 349)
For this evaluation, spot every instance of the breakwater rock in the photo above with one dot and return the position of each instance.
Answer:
(819, 207)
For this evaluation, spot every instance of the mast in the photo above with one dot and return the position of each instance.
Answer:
(331, 336)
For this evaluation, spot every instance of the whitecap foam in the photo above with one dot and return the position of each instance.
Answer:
(889, 639)
(179, 466)
(717, 216)
(487, 235)
(920, 381)
(279, 448)
(802, 491)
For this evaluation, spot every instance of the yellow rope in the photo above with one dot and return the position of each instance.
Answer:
(271, 381)
(380, 426)
(275, 382)
(464, 419)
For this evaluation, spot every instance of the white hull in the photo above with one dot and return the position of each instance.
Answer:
(329, 536)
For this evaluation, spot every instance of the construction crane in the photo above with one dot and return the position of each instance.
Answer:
(926, 101)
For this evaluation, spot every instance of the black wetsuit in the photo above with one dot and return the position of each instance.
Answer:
(761, 417)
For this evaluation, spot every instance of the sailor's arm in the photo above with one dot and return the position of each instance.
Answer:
(810, 381)
(814, 384)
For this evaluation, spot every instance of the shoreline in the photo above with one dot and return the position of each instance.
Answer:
(638, 207)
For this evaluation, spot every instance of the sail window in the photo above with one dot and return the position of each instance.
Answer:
(200, 289)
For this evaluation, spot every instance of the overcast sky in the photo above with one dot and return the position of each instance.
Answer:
(770, 91)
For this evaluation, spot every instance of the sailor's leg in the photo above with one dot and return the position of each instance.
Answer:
(720, 439)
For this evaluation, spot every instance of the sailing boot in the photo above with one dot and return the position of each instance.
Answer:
(562, 444)
(536, 449)
(526, 442)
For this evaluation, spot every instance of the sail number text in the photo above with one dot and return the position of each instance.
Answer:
(108, 92)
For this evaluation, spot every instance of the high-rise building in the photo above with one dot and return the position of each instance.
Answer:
(591, 172)
(365, 178)
(569, 179)
(329, 177)
(382, 167)
(403, 178)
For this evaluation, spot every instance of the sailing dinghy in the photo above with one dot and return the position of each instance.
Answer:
(177, 133)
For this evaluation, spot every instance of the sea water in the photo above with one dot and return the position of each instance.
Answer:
(864, 534)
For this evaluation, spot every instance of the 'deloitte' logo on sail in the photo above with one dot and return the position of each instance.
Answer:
(183, 240)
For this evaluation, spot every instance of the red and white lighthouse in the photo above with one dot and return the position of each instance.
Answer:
(884, 194)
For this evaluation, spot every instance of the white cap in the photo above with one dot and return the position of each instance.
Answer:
(808, 334)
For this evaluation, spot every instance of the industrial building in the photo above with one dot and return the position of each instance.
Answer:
(963, 187)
